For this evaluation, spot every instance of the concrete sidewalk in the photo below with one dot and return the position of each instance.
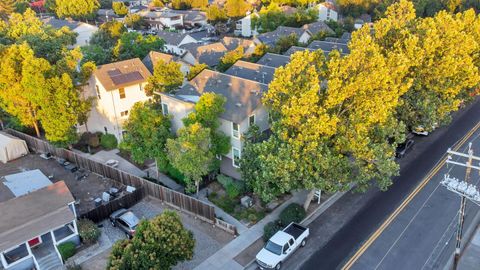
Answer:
(224, 258)
(470, 259)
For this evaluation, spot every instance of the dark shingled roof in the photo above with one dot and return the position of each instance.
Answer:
(121, 74)
(243, 96)
(252, 71)
(337, 40)
(232, 43)
(293, 50)
(273, 60)
(153, 57)
(270, 38)
(57, 23)
(316, 27)
(200, 35)
(329, 46)
(25, 217)
(209, 54)
(171, 38)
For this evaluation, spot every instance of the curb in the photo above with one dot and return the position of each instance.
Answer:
(310, 218)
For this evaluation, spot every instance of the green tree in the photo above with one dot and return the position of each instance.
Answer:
(97, 54)
(7, 7)
(216, 14)
(270, 17)
(195, 70)
(135, 21)
(158, 244)
(284, 43)
(166, 77)
(134, 44)
(181, 4)
(120, 8)
(190, 153)
(77, 9)
(301, 17)
(157, 3)
(147, 131)
(230, 58)
(237, 8)
(199, 4)
(207, 112)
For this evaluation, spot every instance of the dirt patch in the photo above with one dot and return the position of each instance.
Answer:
(248, 254)
(84, 191)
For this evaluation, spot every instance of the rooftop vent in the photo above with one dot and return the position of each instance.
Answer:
(229, 84)
(238, 104)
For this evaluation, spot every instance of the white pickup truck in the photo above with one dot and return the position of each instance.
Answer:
(281, 245)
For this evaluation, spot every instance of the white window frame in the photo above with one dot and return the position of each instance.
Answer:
(165, 105)
(254, 120)
(236, 133)
(233, 157)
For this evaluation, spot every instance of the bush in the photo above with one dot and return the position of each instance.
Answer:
(226, 203)
(67, 250)
(88, 231)
(108, 141)
(232, 187)
(171, 171)
(292, 213)
(270, 229)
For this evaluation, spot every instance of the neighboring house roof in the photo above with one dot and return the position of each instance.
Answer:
(153, 57)
(329, 5)
(293, 50)
(273, 60)
(192, 16)
(337, 40)
(252, 71)
(209, 54)
(346, 35)
(57, 23)
(200, 35)
(270, 38)
(172, 38)
(329, 46)
(121, 74)
(243, 96)
(288, 10)
(317, 27)
(232, 43)
(34, 214)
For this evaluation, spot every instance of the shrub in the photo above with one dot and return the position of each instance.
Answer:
(67, 250)
(108, 141)
(270, 229)
(292, 213)
(232, 187)
(88, 231)
(171, 171)
(226, 203)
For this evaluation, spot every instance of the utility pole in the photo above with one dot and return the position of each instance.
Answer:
(462, 188)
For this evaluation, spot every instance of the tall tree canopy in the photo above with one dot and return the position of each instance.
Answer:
(190, 153)
(237, 8)
(77, 9)
(134, 44)
(120, 8)
(147, 131)
(158, 244)
(166, 77)
(7, 7)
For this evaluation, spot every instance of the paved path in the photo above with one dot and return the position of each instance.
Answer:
(123, 164)
(162, 178)
(223, 259)
(409, 241)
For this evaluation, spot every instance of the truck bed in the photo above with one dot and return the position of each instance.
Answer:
(295, 230)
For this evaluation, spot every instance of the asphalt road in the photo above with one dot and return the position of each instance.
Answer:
(414, 239)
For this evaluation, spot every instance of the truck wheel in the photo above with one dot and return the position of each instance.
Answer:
(278, 266)
(304, 242)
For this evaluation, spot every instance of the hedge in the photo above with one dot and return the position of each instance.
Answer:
(108, 141)
(292, 213)
(88, 231)
(67, 250)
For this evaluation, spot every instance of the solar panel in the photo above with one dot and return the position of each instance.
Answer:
(114, 72)
(127, 78)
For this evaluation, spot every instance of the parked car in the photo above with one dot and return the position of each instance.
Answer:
(125, 220)
(403, 148)
(112, 163)
(281, 245)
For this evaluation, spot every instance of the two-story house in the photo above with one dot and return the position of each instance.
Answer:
(116, 87)
(36, 216)
(243, 108)
(327, 11)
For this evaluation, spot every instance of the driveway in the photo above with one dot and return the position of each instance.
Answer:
(208, 239)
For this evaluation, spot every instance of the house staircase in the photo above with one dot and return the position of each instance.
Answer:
(50, 262)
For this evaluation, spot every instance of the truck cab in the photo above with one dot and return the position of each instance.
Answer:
(281, 245)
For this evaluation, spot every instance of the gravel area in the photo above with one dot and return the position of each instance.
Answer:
(208, 239)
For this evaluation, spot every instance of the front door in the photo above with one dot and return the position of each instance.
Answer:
(35, 242)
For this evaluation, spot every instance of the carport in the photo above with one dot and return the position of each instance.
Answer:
(11, 148)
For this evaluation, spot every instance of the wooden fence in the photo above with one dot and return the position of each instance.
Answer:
(103, 211)
(175, 199)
